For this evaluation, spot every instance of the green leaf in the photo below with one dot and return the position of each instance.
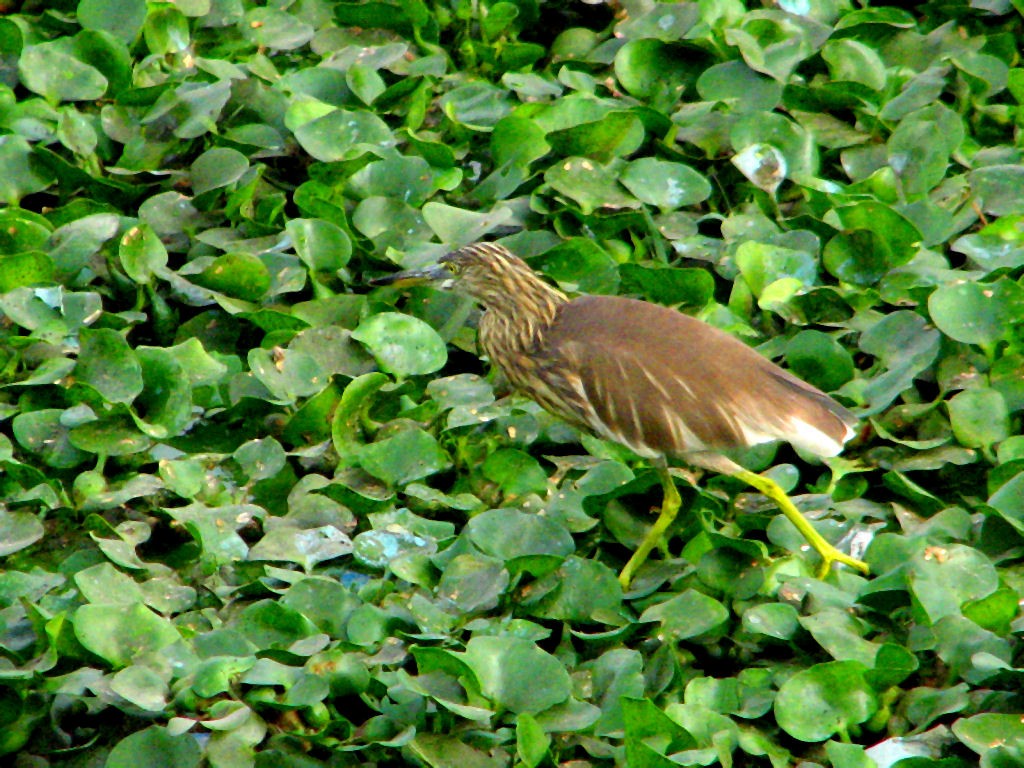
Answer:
(517, 675)
(977, 313)
(823, 700)
(58, 76)
(343, 135)
(216, 168)
(120, 633)
(979, 417)
(689, 614)
(591, 185)
(121, 18)
(515, 472)
(669, 186)
(237, 274)
(107, 364)
(532, 742)
(1000, 189)
(410, 455)
(18, 530)
(819, 359)
(508, 534)
(402, 345)
(155, 747)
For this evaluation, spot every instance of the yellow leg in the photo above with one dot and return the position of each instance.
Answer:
(656, 535)
(773, 491)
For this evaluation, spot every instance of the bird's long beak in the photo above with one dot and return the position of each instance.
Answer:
(414, 276)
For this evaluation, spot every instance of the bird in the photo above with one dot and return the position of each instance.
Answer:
(662, 383)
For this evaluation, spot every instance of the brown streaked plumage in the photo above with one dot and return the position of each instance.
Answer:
(658, 381)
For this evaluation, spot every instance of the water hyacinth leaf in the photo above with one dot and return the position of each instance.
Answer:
(1000, 189)
(72, 245)
(142, 686)
(532, 742)
(740, 86)
(322, 245)
(114, 435)
(823, 700)
(457, 226)
(121, 18)
(19, 176)
(856, 62)
(510, 533)
(980, 732)
(585, 590)
(819, 359)
(762, 264)
(306, 547)
(920, 147)
(591, 185)
(517, 675)
(18, 530)
(156, 747)
(43, 432)
(689, 614)
(390, 223)
(142, 253)
(271, 624)
(473, 582)
(25, 269)
(979, 417)
(778, 620)
(653, 70)
(516, 473)
(261, 458)
(107, 364)
(580, 264)
(118, 633)
(410, 455)
(58, 76)
(288, 374)
(277, 30)
(365, 82)
(874, 239)
(402, 345)
(380, 547)
(164, 406)
(667, 185)
(476, 105)
(216, 168)
(948, 577)
(683, 287)
(166, 31)
(237, 274)
(409, 178)
(343, 135)
(977, 313)
(518, 141)
(775, 42)
(651, 734)
(787, 137)
(617, 134)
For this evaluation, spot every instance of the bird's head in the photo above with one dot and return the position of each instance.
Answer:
(488, 272)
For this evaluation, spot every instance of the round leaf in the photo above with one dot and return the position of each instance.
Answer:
(979, 417)
(824, 700)
(402, 345)
(517, 675)
(666, 185)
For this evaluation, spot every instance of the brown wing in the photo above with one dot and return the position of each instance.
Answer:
(665, 383)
